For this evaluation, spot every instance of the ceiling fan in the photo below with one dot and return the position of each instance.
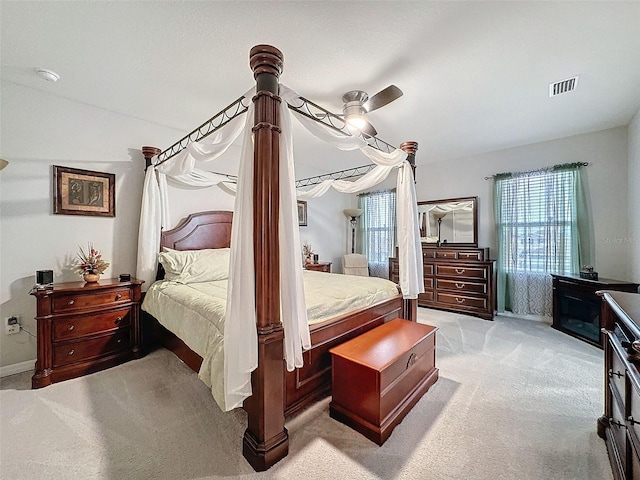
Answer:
(357, 104)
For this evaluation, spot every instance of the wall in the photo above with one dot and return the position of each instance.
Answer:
(634, 197)
(40, 130)
(606, 151)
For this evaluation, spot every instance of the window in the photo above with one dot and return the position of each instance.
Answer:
(541, 229)
(378, 229)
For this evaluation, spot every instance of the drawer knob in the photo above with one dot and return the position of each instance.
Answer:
(71, 352)
(460, 300)
(119, 340)
(71, 327)
(612, 373)
(459, 285)
(71, 302)
(117, 320)
(459, 271)
(118, 296)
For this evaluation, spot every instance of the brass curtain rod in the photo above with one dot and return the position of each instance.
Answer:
(582, 164)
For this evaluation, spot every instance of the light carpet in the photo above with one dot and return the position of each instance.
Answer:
(515, 400)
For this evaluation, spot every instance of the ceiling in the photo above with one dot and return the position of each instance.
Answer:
(475, 75)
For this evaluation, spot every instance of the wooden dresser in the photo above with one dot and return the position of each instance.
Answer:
(85, 327)
(460, 279)
(620, 424)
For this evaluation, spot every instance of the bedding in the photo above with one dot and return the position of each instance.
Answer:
(194, 311)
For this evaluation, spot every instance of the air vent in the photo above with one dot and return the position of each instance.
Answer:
(564, 86)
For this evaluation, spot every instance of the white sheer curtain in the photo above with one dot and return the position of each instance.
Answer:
(240, 335)
(542, 226)
(378, 229)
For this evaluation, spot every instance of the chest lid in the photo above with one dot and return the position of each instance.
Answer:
(384, 345)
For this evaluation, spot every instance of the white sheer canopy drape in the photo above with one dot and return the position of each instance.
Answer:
(240, 320)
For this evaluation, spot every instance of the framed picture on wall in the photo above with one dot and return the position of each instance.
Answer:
(83, 192)
(302, 213)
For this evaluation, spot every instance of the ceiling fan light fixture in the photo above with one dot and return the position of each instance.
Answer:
(355, 115)
(356, 120)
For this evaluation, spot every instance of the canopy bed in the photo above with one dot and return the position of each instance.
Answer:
(265, 321)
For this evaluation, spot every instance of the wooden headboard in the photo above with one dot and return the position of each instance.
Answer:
(200, 230)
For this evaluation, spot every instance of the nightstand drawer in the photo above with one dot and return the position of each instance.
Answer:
(68, 303)
(80, 326)
(73, 352)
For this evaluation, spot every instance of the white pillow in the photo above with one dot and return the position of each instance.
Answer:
(194, 266)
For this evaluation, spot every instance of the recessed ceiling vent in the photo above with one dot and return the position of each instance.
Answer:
(564, 86)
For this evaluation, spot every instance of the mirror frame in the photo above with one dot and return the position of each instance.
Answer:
(474, 200)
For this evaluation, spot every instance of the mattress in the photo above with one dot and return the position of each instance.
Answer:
(194, 312)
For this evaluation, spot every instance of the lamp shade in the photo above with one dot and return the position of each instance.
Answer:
(352, 212)
(3, 163)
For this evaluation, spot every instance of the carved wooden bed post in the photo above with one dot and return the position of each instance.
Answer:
(411, 305)
(266, 440)
(149, 153)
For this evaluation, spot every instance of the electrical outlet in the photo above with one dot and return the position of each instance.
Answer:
(12, 325)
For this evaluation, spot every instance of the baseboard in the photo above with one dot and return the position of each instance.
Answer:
(538, 318)
(17, 368)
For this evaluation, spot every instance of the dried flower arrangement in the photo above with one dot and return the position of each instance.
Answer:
(307, 251)
(91, 261)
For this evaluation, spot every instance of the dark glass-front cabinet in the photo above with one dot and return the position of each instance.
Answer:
(576, 307)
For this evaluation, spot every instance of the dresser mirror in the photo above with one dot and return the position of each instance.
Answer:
(451, 221)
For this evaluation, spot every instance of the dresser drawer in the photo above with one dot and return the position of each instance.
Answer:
(451, 254)
(474, 255)
(73, 352)
(461, 286)
(83, 325)
(428, 282)
(427, 296)
(616, 375)
(634, 415)
(427, 269)
(619, 431)
(68, 303)
(461, 271)
(461, 300)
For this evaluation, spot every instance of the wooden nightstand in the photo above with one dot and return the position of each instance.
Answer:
(86, 327)
(319, 267)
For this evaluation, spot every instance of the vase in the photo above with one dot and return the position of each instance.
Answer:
(91, 277)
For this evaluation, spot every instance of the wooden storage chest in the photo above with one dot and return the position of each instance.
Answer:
(380, 375)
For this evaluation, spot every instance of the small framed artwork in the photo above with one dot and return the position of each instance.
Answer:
(83, 192)
(302, 213)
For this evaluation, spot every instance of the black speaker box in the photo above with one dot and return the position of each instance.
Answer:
(44, 277)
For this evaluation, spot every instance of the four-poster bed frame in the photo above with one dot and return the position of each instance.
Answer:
(276, 393)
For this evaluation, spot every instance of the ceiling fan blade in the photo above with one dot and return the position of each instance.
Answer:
(368, 129)
(383, 97)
